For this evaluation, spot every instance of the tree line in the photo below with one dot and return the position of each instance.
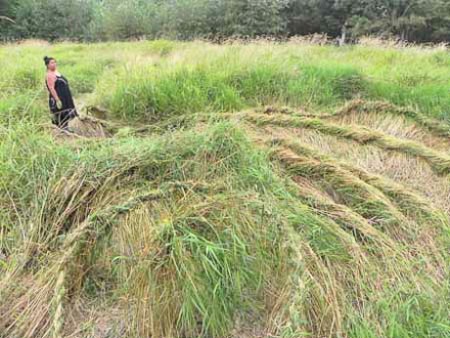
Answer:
(93, 20)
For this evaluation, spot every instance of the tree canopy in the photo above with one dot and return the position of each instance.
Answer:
(411, 20)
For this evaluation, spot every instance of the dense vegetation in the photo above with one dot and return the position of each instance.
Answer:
(412, 20)
(284, 190)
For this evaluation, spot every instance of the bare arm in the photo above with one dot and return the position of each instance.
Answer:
(51, 80)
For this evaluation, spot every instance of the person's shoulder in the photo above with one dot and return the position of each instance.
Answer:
(50, 76)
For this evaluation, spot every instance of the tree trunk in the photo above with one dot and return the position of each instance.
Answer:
(343, 37)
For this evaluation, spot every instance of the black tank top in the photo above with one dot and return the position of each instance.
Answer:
(63, 90)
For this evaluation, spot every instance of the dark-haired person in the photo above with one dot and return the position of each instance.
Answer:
(60, 98)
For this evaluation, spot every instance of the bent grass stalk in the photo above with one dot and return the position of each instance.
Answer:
(343, 215)
(438, 128)
(363, 198)
(438, 161)
(56, 275)
(408, 201)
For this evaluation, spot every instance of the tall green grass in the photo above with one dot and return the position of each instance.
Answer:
(149, 80)
(201, 77)
(223, 83)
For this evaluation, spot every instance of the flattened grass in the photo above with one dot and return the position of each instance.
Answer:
(192, 230)
(440, 162)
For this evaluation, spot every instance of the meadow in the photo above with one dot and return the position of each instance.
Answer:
(240, 190)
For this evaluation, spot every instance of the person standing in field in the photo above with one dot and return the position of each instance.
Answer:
(60, 98)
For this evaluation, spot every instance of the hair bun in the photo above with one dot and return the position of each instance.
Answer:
(47, 60)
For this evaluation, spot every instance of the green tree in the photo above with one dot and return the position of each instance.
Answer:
(52, 19)
(414, 20)
(127, 19)
(333, 17)
(6, 18)
(249, 18)
(184, 19)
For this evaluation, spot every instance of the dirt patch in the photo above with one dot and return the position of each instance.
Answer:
(82, 127)
(87, 126)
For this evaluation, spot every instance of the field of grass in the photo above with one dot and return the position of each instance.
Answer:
(241, 190)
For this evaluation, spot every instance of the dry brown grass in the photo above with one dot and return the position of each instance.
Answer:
(385, 117)
(407, 200)
(440, 162)
(404, 169)
(396, 126)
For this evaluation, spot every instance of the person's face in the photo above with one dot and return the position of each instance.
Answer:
(52, 65)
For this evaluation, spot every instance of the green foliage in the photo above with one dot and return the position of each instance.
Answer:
(250, 18)
(52, 19)
(203, 78)
(412, 20)
(221, 84)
